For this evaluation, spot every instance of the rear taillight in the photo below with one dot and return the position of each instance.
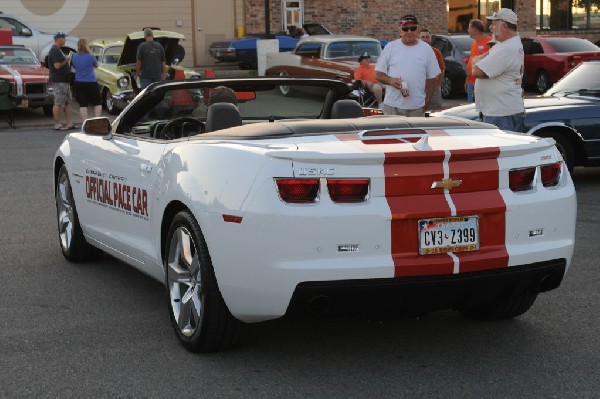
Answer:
(348, 190)
(524, 179)
(521, 179)
(298, 191)
(551, 174)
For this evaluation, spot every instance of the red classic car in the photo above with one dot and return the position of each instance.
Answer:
(28, 79)
(327, 56)
(549, 58)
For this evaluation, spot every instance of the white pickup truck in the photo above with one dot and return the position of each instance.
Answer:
(25, 35)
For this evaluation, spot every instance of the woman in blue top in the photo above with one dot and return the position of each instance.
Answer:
(86, 88)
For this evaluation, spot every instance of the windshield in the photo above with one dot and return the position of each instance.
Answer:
(353, 49)
(585, 76)
(17, 56)
(112, 54)
(464, 43)
(255, 104)
(571, 44)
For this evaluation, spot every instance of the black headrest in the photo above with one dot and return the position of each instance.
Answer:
(222, 116)
(343, 109)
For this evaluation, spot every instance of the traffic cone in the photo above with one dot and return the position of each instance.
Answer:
(209, 73)
(179, 74)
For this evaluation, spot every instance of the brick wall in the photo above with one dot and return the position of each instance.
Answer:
(379, 18)
(375, 18)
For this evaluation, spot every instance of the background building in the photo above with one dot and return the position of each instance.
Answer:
(205, 21)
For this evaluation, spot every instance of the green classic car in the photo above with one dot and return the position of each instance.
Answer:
(116, 66)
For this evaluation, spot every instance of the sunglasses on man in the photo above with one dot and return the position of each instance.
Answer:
(409, 28)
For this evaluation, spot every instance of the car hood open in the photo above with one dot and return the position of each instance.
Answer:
(169, 41)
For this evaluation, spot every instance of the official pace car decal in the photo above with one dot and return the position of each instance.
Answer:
(112, 191)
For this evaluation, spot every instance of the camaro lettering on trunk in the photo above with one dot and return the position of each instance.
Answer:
(117, 195)
(316, 171)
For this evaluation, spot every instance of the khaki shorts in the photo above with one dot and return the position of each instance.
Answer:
(389, 110)
(62, 93)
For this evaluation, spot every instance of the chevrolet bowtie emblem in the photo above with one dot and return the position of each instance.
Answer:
(446, 184)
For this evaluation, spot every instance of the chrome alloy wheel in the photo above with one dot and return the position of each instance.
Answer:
(185, 282)
(65, 212)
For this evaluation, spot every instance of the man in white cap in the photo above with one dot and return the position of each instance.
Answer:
(499, 73)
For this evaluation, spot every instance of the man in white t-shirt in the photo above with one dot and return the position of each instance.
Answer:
(408, 67)
(499, 73)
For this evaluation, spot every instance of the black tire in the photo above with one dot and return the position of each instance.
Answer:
(47, 110)
(565, 148)
(108, 103)
(542, 81)
(72, 242)
(506, 307)
(197, 310)
(447, 87)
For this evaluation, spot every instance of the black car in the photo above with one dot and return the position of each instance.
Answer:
(456, 50)
(569, 113)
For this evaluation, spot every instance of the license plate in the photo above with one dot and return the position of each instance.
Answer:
(23, 104)
(452, 234)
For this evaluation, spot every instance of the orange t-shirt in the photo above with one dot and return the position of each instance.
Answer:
(365, 73)
(442, 64)
(478, 47)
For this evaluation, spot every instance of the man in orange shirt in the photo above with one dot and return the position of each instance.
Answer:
(478, 47)
(436, 99)
(365, 72)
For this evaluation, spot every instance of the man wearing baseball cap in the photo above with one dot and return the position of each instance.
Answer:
(59, 66)
(408, 67)
(499, 72)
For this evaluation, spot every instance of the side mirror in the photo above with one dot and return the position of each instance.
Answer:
(97, 126)
(26, 32)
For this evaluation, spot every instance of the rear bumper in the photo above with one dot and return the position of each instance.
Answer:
(418, 295)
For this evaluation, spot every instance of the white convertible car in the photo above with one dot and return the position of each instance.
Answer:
(292, 204)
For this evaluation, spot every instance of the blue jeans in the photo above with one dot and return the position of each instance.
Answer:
(144, 82)
(515, 123)
(470, 93)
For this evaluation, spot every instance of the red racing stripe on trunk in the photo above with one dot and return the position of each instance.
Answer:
(479, 195)
(408, 179)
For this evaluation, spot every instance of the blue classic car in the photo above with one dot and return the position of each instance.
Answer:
(569, 112)
(243, 50)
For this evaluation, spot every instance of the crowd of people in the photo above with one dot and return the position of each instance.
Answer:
(407, 78)
(82, 83)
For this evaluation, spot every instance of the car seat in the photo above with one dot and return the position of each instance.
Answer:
(7, 102)
(343, 109)
(222, 116)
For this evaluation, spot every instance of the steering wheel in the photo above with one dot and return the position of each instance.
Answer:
(168, 130)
